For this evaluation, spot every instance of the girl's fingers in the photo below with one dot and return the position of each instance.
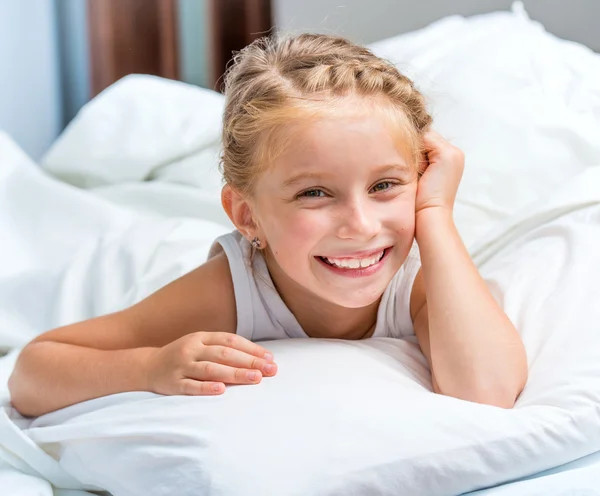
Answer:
(236, 358)
(433, 142)
(217, 372)
(423, 164)
(190, 387)
(433, 136)
(237, 342)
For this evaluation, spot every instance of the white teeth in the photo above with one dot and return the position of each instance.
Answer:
(352, 263)
(355, 263)
(366, 262)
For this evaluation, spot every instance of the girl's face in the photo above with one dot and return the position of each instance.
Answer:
(337, 208)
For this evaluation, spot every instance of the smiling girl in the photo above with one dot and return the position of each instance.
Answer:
(342, 197)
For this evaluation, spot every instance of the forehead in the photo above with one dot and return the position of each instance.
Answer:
(346, 135)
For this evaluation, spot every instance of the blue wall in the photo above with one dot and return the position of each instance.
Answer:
(193, 41)
(30, 108)
(74, 56)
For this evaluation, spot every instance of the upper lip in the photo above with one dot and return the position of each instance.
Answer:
(358, 254)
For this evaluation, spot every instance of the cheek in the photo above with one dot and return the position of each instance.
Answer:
(292, 231)
(401, 216)
(405, 222)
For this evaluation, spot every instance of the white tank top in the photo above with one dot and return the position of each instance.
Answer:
(262, 314)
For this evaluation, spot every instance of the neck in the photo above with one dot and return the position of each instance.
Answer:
(320, 318)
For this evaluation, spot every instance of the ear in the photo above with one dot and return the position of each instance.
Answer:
(239, 211)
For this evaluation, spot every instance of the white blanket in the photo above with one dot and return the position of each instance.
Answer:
(68, 255)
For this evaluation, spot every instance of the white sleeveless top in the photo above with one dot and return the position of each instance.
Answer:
(262, 314)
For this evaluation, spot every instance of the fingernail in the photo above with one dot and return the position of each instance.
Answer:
(216, 387)
(269, 368)
(252, 375)
(268, 357)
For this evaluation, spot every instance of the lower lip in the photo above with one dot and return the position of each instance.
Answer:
(367, 271)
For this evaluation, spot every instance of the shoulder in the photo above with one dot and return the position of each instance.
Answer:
(412, 264)
(394, 315)
(217, 273)
(212, 285)
(201, 300)
(418, 296)
(416, 287)
(411, 281)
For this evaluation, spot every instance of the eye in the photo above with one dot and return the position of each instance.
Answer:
(383, 186)
(312, 193)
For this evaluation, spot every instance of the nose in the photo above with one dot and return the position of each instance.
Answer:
(358, 219)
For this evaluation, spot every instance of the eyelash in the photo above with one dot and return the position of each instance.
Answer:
(304, 194)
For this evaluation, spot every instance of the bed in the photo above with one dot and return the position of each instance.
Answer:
(128, 199)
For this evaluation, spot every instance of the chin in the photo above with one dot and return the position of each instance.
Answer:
(346, 301)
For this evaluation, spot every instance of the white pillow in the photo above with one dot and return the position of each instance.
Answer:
(346, 418)
(142, 128)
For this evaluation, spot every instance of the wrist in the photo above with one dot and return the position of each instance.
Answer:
(142, 360)
(432, 219)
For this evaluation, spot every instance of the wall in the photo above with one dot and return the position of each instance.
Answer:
(44, 64)
(194, 42)
(74, 56)
(74, 49)
(366, 21)
(30, 109)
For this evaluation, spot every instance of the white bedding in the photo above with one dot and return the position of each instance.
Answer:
(578, 478)
(382, 440)
(361, 419)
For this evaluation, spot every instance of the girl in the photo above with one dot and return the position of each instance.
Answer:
(331, 175)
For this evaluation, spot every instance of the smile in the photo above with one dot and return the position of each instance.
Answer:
(364, 265)
(354, 263)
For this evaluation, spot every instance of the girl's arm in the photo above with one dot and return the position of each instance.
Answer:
(474, 351)
(154, 345)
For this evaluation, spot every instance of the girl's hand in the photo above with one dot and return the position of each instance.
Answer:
(203, 362)
(442, 170)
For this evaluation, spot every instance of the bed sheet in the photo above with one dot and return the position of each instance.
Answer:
(578, 478)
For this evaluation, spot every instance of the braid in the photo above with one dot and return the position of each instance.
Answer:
(271, 74)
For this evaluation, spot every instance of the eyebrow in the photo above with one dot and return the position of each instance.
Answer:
(319, 175)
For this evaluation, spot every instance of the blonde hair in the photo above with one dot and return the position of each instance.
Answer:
(276, 79)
